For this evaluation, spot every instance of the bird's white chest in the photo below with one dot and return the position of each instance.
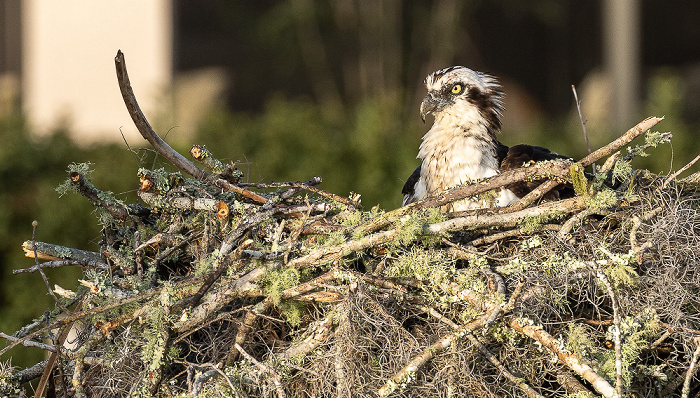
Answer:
(454, 156)
(451, 158)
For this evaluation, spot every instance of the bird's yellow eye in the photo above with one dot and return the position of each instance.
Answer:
(456, 89)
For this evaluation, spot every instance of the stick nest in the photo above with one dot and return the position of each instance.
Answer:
(208, 287)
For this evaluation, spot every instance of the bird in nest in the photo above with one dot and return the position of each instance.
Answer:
(461, 146)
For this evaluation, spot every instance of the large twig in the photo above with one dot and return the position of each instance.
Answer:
(557, 170)
(327, 254)
(48, 251)
(407, 374)
(29, 343)
(214, 301)
(691, 370)
(63, 263)
(622, 141)
(161, 146)
(533, 196)
(582, 369)
(97, 197)
(560, 207)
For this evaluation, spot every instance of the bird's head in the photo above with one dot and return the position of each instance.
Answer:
(460, 92)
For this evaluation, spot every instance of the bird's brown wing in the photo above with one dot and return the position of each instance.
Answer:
(518, 155)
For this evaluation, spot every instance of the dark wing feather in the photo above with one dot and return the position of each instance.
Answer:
(518, 155)
(409, 188)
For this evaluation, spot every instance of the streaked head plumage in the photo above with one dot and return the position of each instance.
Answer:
(457, 87)
(461, 75)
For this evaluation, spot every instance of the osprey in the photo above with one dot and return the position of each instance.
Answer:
(461, 146)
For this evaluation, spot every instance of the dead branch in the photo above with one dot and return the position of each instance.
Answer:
(691, 369)
(161, 146)
(622, 141)
(556, 170)
(97, 197)
(180, 203)
(533, 196)
(51, 252)
(214, 301)
(63, 263)
(561, 207)
(328, 254)
(29, 343)
(221, 170)
(407, 374)
(528, 328)
(318, 332)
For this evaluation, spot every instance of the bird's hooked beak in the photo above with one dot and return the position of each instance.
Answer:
(432, 104)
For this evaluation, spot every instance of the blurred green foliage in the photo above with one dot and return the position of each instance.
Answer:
(369, 149)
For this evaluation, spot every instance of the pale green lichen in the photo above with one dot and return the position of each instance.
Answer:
(637, 333)
(81, 168)
(580, 340)
(622, 272)
(275, 281)
(652, 139)
(602, 200)
(578, 178)
(515, 266)
(533, 242)
(531, 224)
(477, 260)
(293, 310)
(208, 263)
(621, 170)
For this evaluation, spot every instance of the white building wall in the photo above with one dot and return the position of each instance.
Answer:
(68, 74)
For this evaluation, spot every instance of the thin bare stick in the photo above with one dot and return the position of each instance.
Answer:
(41, 271)
(583, 122)
(617, 333)
(682, 169)
(29, 343)
(276, 379)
